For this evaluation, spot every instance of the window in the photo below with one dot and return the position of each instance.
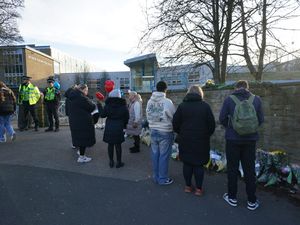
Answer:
(173, 78)
(194, 78)
(124, 83)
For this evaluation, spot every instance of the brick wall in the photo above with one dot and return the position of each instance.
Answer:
(281, 105)
(39, 67)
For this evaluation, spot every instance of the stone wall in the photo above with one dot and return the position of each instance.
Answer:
(281, 105)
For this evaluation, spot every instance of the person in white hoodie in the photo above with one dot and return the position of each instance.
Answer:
(159, 112)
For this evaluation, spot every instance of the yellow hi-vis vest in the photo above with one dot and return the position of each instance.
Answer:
(50, 94)
(29, 93)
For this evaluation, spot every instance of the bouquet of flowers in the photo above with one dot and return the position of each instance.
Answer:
(274, 167)
(217, 161)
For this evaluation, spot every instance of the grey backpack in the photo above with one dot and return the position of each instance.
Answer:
(244, 119)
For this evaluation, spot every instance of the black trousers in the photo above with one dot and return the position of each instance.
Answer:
(118, 151)
(244, 152)
(30, 109)
(52, 112)
(190, 170)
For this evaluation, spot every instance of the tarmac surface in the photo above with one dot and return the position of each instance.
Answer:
(42, 184)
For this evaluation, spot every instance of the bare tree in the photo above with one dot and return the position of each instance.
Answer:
(9, 32)
(259, 20)
(185, 31)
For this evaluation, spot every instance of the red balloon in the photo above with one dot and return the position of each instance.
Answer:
(109, 85)
(99, 96)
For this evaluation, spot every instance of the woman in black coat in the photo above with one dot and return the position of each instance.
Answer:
(81, 120)
(195, 123)
(116, 112)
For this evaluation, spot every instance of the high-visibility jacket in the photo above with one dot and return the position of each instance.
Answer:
(29, 93)
(50, 94)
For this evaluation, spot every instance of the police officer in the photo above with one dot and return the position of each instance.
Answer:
(29, 95)
(51, 100)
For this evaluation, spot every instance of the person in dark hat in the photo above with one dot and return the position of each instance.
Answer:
(29, 95)
(51, 100)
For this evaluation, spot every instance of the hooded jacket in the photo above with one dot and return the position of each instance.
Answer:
(160, 111)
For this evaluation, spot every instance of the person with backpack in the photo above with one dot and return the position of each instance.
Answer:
(7, 109)
(241, 115)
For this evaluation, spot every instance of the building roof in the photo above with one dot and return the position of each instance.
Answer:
(30, 47)
(135, 60)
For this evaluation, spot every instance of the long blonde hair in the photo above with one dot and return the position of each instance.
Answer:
(196, 89)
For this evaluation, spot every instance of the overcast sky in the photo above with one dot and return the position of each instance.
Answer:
(102, 32)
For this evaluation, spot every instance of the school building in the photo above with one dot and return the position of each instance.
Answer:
(38, 62)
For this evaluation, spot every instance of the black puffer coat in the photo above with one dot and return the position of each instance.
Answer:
(67, 101)
(195, 123)
(81, 120)
(117, 114)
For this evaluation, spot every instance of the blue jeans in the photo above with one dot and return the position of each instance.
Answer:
(161, 146)
(5, 125)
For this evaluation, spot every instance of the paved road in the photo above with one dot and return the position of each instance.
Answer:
(41, 184)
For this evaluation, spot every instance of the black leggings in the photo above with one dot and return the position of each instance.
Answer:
(189, 170)
(118, 151)
(82, 150)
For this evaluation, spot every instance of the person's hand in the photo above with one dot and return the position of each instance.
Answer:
(99, 96)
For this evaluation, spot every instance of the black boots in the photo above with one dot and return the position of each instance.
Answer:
(49, 129)
(111, 163)
(136, 147)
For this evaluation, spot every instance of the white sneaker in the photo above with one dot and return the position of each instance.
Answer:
(83, 159)
(252, 205)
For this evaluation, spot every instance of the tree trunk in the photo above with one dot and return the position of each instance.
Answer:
(226, 41)
(217, 53)
(263, 43)
(245, 42)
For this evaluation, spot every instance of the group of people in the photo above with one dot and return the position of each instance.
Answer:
(83, 113)
(28, 97)
(194, 123)
(191, 125)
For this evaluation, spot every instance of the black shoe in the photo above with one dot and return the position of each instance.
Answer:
(36, 129)
(120, 164)
(111, 163)
(132, 148)
(49, 129)
(56, 129)
(135, 150)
